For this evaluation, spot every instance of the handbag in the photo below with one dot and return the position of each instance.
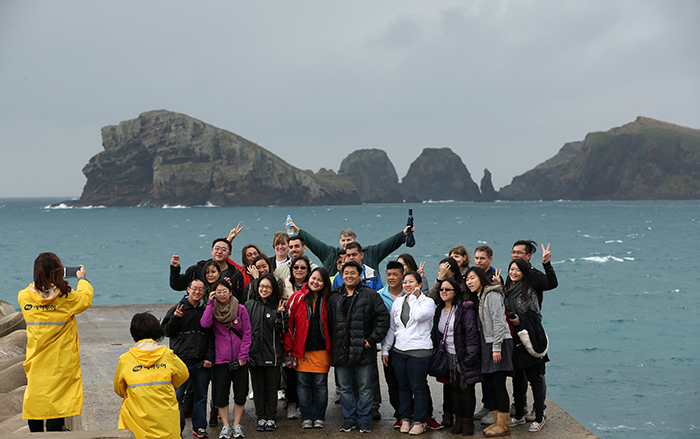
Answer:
(439, 364)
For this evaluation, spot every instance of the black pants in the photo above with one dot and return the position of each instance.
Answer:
(393, 385)
(534, 375)
(499, 393)
(463, 398)
(265, 380)
(290, 392)
(37, 425)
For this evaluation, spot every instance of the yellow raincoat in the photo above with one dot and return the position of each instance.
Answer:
(145, 378)
(54, 379)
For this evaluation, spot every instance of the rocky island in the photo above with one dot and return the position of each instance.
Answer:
(166, 158)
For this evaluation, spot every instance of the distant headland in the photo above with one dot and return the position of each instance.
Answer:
(166, 158)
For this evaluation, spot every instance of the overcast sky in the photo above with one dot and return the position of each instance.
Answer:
(503, 83)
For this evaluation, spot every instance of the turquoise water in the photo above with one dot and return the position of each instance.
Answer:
(623, 322)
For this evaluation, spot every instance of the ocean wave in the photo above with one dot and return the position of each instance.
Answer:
(65, 206)
(438, 201)
(179, 206)
(613, 240)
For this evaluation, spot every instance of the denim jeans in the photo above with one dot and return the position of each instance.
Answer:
(359, 412)
(412, 375)
(200, 383)
(312, 389)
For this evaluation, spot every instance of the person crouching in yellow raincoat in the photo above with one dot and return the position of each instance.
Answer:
(146, 378)
(54, 379)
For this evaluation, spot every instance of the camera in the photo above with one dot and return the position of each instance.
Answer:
(70, 271)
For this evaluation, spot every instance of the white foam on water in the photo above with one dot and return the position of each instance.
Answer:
(179, 206)
(613, 240)
(602, 259)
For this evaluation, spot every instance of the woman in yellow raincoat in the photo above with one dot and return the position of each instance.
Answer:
(146, 378)
(54, 379)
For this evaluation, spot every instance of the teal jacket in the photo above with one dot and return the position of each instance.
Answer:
(374, 254)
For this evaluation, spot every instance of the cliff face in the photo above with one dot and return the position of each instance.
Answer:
(373, 175)
(645, 159)
(163, 157)
(438, 174)
(488, 193)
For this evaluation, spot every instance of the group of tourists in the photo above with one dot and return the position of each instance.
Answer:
(281, 322)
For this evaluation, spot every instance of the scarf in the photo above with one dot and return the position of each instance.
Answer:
(225, 313)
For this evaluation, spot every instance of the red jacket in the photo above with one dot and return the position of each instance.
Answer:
(295, 337)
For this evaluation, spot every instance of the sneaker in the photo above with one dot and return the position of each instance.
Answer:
(397, 424)
(306, 423)
(238, 431)
(433, 424)
(261, 425)
(319, 424)
(271, 425)
(293, 411)
(481, 413)
(200, 433)
(226, 432)
(419, 428)
(516, 421)
(537, 426)
(348, 426)
(365, 428)
(280, 395)
(488, 419)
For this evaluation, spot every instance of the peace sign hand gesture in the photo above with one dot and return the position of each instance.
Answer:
(546, 254)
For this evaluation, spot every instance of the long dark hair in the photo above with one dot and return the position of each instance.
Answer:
(408, 259)
(459, 295)
(208, 264)
(481, 274)
(276, 296)
(48, 272)
(524, 268)
(291, 269)
(326, 284)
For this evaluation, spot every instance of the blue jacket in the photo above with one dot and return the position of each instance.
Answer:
(370, 277)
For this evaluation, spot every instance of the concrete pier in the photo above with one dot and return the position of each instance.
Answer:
(104, 336)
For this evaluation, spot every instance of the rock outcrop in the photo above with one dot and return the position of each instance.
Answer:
(438, 174)
(488, 193)
(373, 175)
(645, 159)
(166, 158)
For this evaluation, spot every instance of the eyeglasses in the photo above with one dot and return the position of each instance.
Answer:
(300, 267)
(447, 290)
(197, 289)
(265, 287)
(220, 249)
(222, 292)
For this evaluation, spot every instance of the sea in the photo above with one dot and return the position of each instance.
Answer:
(623, 324)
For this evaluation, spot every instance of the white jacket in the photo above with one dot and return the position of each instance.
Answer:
(416, 333)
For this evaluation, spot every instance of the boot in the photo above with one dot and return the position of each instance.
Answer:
(502, 427)
(457, 426)
(495, 422)
(467, 427)
(213, 415)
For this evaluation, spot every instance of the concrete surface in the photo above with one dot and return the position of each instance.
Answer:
(104, 336)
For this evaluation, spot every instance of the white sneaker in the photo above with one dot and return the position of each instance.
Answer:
(307, 423)
(487, 419)
(537, 426)
(293, 411)
(319, 424)
(225, 432)
(516, 421)
(280, 395)
(238, 431)
(481, 413)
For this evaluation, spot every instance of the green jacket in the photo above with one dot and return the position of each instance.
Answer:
(374, 254)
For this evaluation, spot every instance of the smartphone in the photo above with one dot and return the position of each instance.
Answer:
(70, 271)
(512, 315)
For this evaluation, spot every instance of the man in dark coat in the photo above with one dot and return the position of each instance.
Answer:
(358, 320)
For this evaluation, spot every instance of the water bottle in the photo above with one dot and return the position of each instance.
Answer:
(288, 225)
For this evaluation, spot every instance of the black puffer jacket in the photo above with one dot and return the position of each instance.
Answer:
(267, 327)
(188, 339)
(367, 319)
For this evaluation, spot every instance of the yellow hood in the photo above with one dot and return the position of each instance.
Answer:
(147, 352)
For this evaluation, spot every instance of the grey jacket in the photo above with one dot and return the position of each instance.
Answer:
(492, 314)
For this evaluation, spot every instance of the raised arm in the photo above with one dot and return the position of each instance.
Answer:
(375, 254)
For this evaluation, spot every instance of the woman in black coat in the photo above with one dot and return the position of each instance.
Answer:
(455, 322)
